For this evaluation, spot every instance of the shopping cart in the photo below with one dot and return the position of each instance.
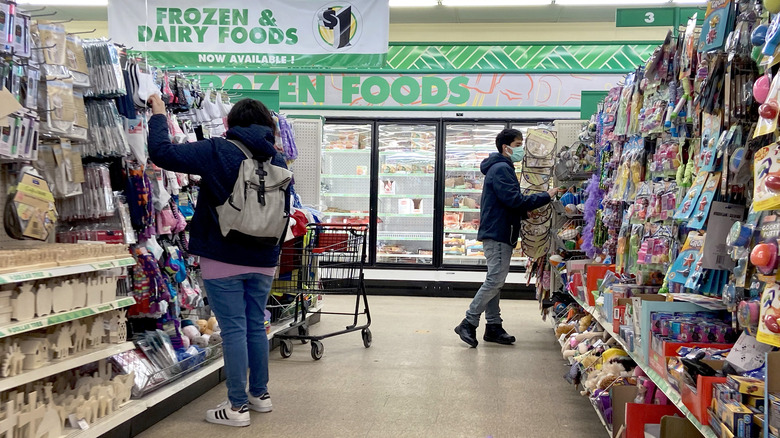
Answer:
(329, 259)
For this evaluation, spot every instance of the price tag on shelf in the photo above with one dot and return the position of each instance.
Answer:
(103, 265)
(77, 423)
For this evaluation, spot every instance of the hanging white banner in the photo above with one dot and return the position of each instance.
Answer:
(271, 33)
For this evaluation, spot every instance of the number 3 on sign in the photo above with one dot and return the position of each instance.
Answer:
(649, 17)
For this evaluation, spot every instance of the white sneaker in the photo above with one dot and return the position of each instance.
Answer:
(261, 404)
(225, 415)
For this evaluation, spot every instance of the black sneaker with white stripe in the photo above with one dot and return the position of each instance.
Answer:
(224, 414)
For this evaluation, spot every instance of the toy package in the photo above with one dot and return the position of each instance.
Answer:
(702, 209)
(688, 204)
(768, 325)
(686, 260)
(766, 174)
(717, 21)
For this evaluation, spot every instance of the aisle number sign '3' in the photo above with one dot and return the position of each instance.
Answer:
(227, 33)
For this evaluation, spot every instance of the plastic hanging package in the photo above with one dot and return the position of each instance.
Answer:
(106, 130)
(76, 61)
(53, 47)
(58, 112)
(105, 73)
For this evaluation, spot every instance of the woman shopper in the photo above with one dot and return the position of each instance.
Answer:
(237, 275)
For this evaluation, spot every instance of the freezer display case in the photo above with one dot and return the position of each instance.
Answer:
(405, 206)
(466, 145)
(346, 173)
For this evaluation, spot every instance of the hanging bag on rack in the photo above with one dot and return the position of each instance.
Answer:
(258, 210)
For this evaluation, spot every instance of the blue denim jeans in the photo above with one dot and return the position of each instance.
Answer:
(239, 305)
(498, 255)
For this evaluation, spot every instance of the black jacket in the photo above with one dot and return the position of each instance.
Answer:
(217, 161)
(503, 204)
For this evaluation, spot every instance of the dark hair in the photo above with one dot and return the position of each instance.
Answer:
(247, 112)
(506, 137)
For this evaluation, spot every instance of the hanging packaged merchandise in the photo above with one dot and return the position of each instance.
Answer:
(52, 38)
(288, 138)
(58, 111)
(62, 167)
(139, 199)
(124, 216)
(136, 139)
(686, 259)
(29, 208)
(76, 61)
(105, 72)
(30, 87)
(701, 209)
(689, 202)
(106, 130)
(768, 324)
(767, 122)
(766, 173)
(622, 117)
(19, 37)
(79, 129)
(97, 199)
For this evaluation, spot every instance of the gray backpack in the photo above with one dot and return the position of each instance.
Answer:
(258, 210)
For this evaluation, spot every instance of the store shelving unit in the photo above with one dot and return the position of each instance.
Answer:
(16, 328)
(61, 271)
(661, 383)
(137, 407)
(58, 366)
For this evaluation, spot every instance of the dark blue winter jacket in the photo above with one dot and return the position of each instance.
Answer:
(503, 204)
(217, 161)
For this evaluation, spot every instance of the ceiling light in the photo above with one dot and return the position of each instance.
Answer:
(467, 3)
(413, 3)
(63, 3)
(609, 2)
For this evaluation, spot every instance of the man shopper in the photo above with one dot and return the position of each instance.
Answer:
(502, 207)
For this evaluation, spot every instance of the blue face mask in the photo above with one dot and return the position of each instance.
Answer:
(517, 154)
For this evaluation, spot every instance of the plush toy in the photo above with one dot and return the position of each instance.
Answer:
(190, 332)
(212, 325)
(203, 325)
(201, 341)
(215, 339)
(564, 329)
(588, 335)
(185, 342)
(585, 322)
(604, 377)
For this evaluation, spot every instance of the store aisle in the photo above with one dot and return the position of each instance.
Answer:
(417, 380)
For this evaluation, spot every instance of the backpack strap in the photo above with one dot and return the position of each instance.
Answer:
(243, 148)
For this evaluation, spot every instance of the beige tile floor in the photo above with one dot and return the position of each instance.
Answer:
(417, 380)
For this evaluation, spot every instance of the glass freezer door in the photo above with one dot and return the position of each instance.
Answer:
(466, 146)
(407, 159)
(346, 178)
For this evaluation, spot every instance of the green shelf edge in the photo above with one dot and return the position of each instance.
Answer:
(39, 323)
